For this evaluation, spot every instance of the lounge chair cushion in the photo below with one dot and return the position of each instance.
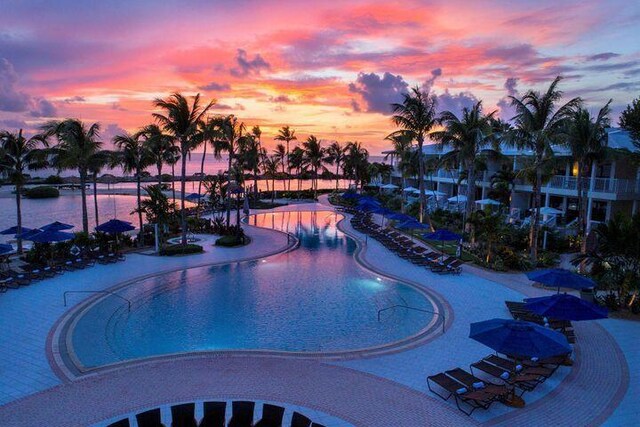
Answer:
(461, 390)
(518, 368)
(505, 375)
(479, 385)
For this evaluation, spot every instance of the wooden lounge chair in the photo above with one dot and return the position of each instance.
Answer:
(152, 418)
(214, 414)
(299, 420)
(184, 415)
(242, 415)
(473, 399)
(523, 382)
(472, 382)
(19, 277)
(272, 416)
(511, 366)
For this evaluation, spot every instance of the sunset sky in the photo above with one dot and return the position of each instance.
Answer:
(327, 68)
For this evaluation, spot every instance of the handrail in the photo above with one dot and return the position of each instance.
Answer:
(416, 309)
(64, 295)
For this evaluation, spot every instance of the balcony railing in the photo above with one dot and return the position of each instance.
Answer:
(600, 185)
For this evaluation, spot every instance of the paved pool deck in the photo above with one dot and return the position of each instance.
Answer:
(602, 388)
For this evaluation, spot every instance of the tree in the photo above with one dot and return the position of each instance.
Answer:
(538, 125)
(181, 121)
(335, 154)
(251, 153)
(97, 162)
(287, 135)
(77, 144)
(160, 147)
(415, 117)
(17, 155)
(468, 137)
(296, 162)
(134, 157)
(502, 185)
(356, 163)
(270, 167)
(313, 157)
(586, 137)
(157, 208)
(282, 158)
(630, 120)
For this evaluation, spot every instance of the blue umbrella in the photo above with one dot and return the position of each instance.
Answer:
(400, 217)
(519, 339)
(442, 235)
(51, 236)
(565, 307)
(193, 196)
(412, 224)
(559, 277)
(56, 226)
(5, 249)
(15, 230)
(114, 226)
(367, 206)
(350, 195)
(27, 234)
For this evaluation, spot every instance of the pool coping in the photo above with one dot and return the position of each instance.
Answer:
(67, 367)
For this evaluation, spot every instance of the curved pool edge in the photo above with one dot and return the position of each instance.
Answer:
(67, 367)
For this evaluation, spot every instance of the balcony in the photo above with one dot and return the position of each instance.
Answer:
(600, 185)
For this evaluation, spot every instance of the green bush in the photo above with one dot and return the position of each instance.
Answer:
(172, 250)
(54, 179)
(42, 192)
(230, 241)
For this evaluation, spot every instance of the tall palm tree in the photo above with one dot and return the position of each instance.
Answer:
(134, 157)
(296, 162)
(402, 151)
(256, 157)
(270, 166)
(586, 138)
(287, 135)
(97, 162)
(335, 154)
(282, 158)
(415, 117)
(356, 162)
(313, 156)
(538, 126)
(77, 144)
(250, 152)
(468, 137)
(181, 120)
(160, 147)
(17, 155)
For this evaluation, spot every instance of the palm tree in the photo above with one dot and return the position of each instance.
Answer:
(135, 157)
(250, 152)
(270, 166)
(287, 135)
(182, 121)
(313, 156)
(296, 162)
(416, 116)
(356, 162)
(335, 154)
(160, 147)
(97, 162)
(402, 151)
(586, 138)
(502, 184)
(77, 144)
(538, 126)
(467, 136)
(157, 208)
(282, 158)
(17, 155)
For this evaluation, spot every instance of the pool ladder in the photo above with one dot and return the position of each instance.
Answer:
(416, 309)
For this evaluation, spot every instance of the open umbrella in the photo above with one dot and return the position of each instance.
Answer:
(14, 230)
(565, 307)
(56, 226)
(51, 236)
(519, 339)
(457, 199)
(389, 187)
(442, 235)
(400, 217)
(5, 249)
(350, 195)
(115, 226)
(560, 277)
(488, 202)
(27, 234)
(412, 224)
(410, 189)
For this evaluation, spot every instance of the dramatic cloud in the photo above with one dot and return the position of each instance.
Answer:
(73, 99)
(283, 99)
(455, 102)
(506, 110)
(602, 56)
(43, 108)
(218, 87)
(11, 99)
(428, 84)
(378, 93)
(245, 66)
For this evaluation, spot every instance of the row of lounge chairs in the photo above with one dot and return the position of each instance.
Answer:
(183, 415)
(507, 377)
(519, 311)
(13, 279)
(405, 248)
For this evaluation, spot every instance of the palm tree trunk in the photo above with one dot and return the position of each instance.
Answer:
(183, 185)
(95, 197)
(288, 169)
(582, 217)
(204, 153)
(83, 194)
(337, 172)
(229, 184)
(159, 166)
(535, 223)
(173, 181)
(19, 215)
(273, 187)
(141, 234)
(471, 190)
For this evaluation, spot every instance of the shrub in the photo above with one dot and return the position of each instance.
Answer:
(42, 192)
(172, 250)
(230, 241)
(54, 179)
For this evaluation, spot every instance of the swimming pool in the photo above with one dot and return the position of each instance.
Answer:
(315, 299)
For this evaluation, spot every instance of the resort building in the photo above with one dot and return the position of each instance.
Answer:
(613, 184)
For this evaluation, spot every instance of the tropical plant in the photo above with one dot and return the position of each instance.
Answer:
(281, 156)
(502, 183)
(468, 137)
(251, 152)
(296, 162)
(538, 125)
(402, 152)
(181, 121)
(97, 162)
(17, 155)
(356, 163)
(415, 117)
(334, 155)
(160, 147)
(630, 120)
(313, 157)
(270, 168)
(157, 209)
(287, 135)
(76, 146)
(486, 227)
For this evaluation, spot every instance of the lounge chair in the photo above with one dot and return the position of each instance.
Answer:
(184, 415)
(472, 398)
(519, 368)
(152, 418)
(242, 415)
(441, 266)
(9, 282)
(523, 382)
(272, 416)
(454, 267)
(214, 414)
(19, 277)
(299, 420)
(471, 382)
(121, 423)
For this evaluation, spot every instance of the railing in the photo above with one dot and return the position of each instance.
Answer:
(64, 296)
(416, 309)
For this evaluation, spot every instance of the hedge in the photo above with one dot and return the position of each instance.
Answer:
(42, 192)
(230, 241)
(172, 250)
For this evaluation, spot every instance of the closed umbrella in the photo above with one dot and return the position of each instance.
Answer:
(56, 226)
(560, 277)
(565, 307)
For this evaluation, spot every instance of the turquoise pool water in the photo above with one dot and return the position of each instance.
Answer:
(316, 298)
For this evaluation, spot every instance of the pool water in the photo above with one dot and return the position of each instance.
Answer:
(315, 298)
